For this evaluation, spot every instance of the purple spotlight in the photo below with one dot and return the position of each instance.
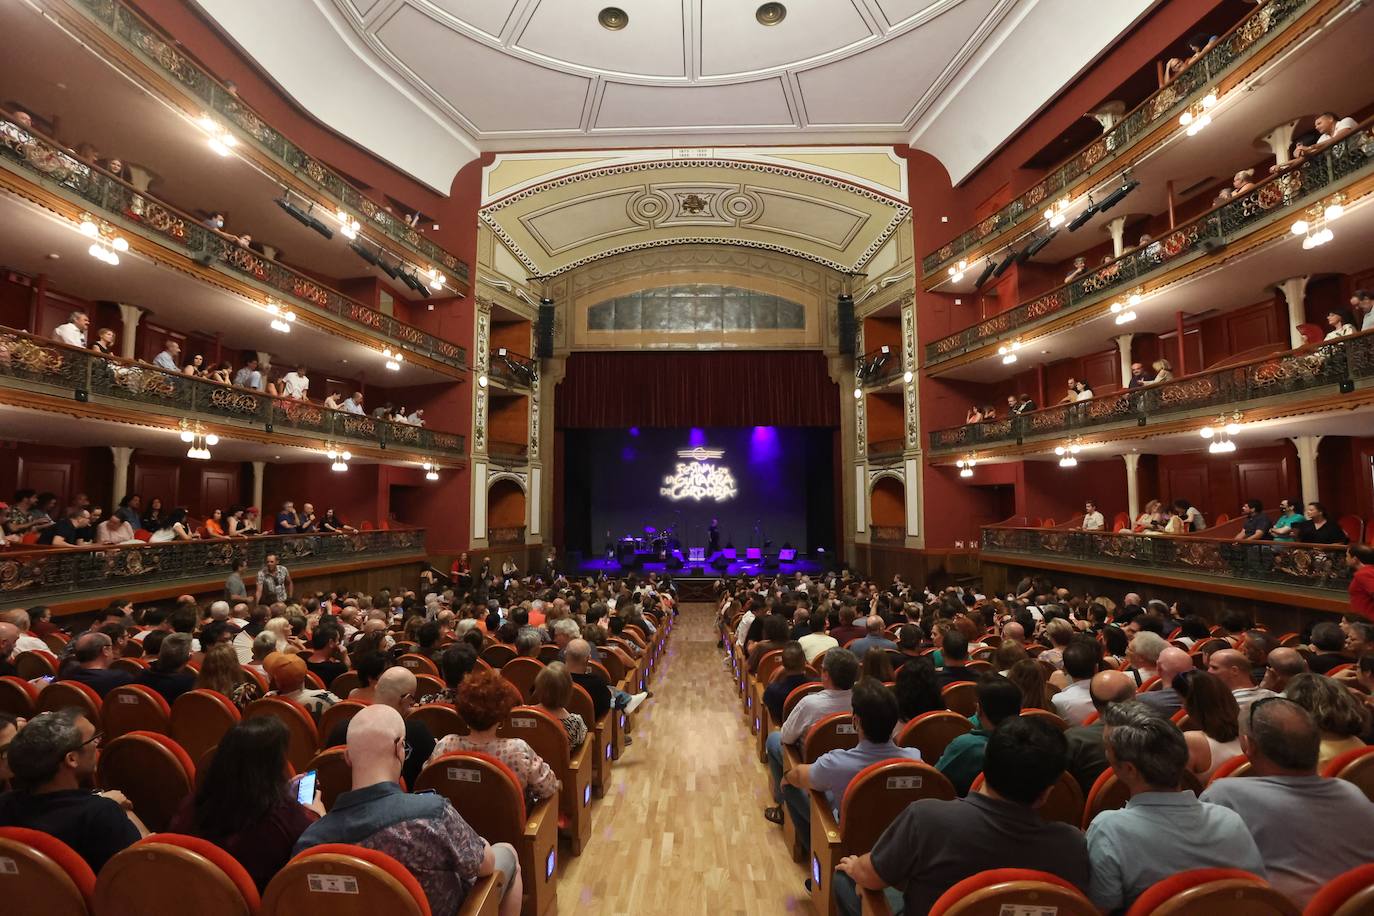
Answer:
(634, 431)
(696, 436)
(627, 454)
(764, 444)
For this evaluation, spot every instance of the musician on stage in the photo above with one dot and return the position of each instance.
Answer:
(713, 538)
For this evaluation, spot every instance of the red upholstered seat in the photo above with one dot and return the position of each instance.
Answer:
(931, 732)
(333, 774)
(46, 873)
(154, 772)
(337, 714)
(132, 708)
(18, 697)
(62, 694)
(417, 664)
(1355, 766)
(1207, 891)
(1238, 765)
(1002, 890)
(498, 655)
(354, 880)
(1347, 894)
(833, 732)
(961, 697)
(171, 873)
(305, 738)
(200, 718)
(521, 672)
(796, 695)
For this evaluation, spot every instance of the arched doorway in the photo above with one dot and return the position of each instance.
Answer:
(887, 509)
(505, 512)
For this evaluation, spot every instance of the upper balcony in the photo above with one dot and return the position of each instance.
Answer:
(1174, 268)
(1229, 62)
(41, 374)
(120, 35)
(509, 369)
(209, 270)
(1313, 375)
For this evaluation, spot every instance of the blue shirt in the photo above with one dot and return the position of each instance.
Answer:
(962, 760)
(860, 646)
(1158, 834)
(1288, 521)
(835, 770)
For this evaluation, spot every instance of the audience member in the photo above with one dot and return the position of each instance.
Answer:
(792, 676)
(89, 663)
(1234, 670)
(917, 689)
(1282, 665)
(954, 658)
(1087, 755)
(1341, 718)
(1092, 518)
(1213, 722)
(287, 674)
(168, 674)
(1074, 703)
(552, 690)
(1256, 526)
(73, 333)
(999, 701)
(396, 688)
(839, 671)
(873, 638)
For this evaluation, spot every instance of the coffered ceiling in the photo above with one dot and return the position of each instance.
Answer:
(488, 75)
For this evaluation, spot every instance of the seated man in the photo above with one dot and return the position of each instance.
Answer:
(934, 844)
(52, 757)
(396, 688)
(1163, 829)
(1173, 661)
(577, 657)
(839, 671)
(1092, 518)
(1282, 666)
(93, 653)
(1235, 671)
(423, 832)
(287, 674)
(874, 638)
(792, 676)
(875, 713)
(1087, 754)
(1074, 703)
(1309, 829)
(999, 701)
(954, 658)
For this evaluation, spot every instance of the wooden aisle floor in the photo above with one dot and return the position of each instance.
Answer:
(681, 831)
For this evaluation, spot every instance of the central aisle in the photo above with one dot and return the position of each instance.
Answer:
(681, 830)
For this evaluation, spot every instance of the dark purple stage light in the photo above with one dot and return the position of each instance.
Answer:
(634, 430)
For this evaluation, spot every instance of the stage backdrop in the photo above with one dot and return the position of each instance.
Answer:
(763, 483)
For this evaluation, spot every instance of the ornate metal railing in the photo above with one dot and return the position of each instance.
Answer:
(137, 35)
(88, 374)
(31, 154)
(1318, 366)
(1238, 45)
(63, 572)
(506, 537)
(513, 368)
(1279, 194)
(1305, 566)
(884, 366)
(499, 449)
(887, 534)
(885, 447)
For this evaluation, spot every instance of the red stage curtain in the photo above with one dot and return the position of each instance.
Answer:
(615, 390)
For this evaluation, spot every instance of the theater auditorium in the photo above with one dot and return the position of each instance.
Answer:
(686, 457)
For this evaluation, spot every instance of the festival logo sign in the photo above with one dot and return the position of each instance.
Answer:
(698, 478)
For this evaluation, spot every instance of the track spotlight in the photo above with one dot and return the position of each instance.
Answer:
(1006, 262)
(394, 272)
(985, 275)
(1038, 245)
(1081, 219)
(304, 217)
(321, 228)
(363, 251)
(1117, 196)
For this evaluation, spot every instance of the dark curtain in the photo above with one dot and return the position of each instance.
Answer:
(615, 390)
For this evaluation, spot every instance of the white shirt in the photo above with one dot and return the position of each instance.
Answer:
(415, 419)
(1368, 323)
(294, 385)
(1084, 395)
(1074, 703)
(1344, 330)
(70, 335)
(1094, 521)
(814, 644)
(164, 360)
(352, 406)
(248, 378)
(1247, 696)
(1342, 124)
(27, 643)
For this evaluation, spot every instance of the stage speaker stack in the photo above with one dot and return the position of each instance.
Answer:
(543, 330)
(848, 327)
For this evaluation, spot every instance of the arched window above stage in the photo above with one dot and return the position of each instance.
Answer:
(691, 308)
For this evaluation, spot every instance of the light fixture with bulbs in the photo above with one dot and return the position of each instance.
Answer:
(393, 358)
(1125, 311)
(437, 280)
(1312, 225)
(348, 226)
(338, 456)
(431, 470)
(1196, 117)
(965, 465)
(1054, 215)
(956, 273)
(1068, 453)
(105, 242)
(1221, 432)
(193, 434)
(282, 318)
(221, 141)
(1008, 352)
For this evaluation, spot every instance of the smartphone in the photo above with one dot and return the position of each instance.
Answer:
(305, 788)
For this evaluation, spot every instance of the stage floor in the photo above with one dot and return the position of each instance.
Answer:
(698, 570)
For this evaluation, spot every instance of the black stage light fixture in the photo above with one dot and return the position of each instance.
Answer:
(1024, 254)
(985, 275)
(409, 280)
(1006, 262)
(321, 228)
(1081, 219)
(1117, 196)
(304, 217)
(1039, 244)
(364, 252)
(392, 272)
(423, 290)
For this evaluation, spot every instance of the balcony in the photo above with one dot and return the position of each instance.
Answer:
(179, 77)
(1316, 368)
(513, 370)
(1228, 61)
(887, 534)
(1316, 573)
(1338, 167)
(506, 537)
(77, 187)
(879, 367)
(30, 363)
(37, 575)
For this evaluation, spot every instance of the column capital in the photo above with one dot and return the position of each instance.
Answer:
(1294, 292)
(1278, 139)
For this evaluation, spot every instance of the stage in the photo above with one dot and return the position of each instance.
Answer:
(697, 569)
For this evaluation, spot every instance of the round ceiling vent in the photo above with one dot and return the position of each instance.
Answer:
(613, 18)
(771, 14)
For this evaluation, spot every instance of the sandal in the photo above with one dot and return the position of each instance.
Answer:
(773, 815)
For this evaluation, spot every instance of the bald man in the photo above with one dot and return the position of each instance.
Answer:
(422, 832)
(396, 689)
(1173, 661)
(1087, 757)
(1234, 670)
(1015, 632)
(1283, 665)
(9, 636)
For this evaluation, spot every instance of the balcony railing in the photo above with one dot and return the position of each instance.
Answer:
(35, 156)
(137, 35)
(1318, 366)
(1209, 232)
(1240, 43)
(885, 448)
(513, 368)
(878, 367)
(30, 574)
(89, 374)
(1303, 566)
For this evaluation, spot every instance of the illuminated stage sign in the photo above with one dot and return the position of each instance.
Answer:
(697, 479)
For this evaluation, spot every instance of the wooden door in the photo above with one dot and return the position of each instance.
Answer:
(49, 476)
(1263, 479)
(156, 480)
(218, 490)
(1189, 483)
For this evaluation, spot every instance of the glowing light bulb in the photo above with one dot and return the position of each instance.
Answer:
(1059, 450)
(432, 475)
(212, 439)
(481, 381)
(1299, 227)
(1209, 100)
(858, 393)
(89, 228)
(907, 377)
(1206, 432)
(1185, 119)
(1333, 211)
(966, 472)
(187, 436)
(1232, 428)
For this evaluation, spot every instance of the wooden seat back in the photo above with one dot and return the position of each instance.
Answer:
(35, 664)
(498, 655)
(483, 790)
(305, 737)
(1064, 805)
(961, 697)
(44, 872)
(521, 672)
(769, 662)
(880, 792)
(333, 775)
(133, 708)
(345, 684)
(64, 694)
(418, 664)
(831, 733)
(173, 873)
(337, 714)
(428, 684)
(795, 697)
(1044, 715)
(152, 770)
(1355, 766)
(358, 882)
(18, 697)
(931, 732)
(440, 718)
(199, 720)
(1000, 891)
(1348, 894)
(1206, 891)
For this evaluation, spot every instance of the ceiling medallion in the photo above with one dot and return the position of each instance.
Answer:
(771, 14)
(614, 18)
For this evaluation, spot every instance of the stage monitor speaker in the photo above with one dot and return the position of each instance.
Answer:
(696, 554)
(787, 554)
(721, 562)
(848, 327)
(770, 562)
(543, 331)
(729, 553)
(753, 554)
(674, 560)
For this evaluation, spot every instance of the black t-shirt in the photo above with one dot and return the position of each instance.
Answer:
(595, 685)
(69, 532)
(1257, 522)
(101, 680)
(947, 676)
(171, 685)
(1330, 533)
(417, 736)
(94, 827)
(326, 670)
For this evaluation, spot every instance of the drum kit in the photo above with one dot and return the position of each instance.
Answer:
(657, 542)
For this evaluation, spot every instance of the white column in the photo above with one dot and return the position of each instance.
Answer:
(120, 486)
(1108, 114)
(1278, 140)
(258, 468)
(1307, 466)
(1117, 230)
(131, 315)
(264, 363)
(1132, 460)
(1294, 290)
(1123, 345)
